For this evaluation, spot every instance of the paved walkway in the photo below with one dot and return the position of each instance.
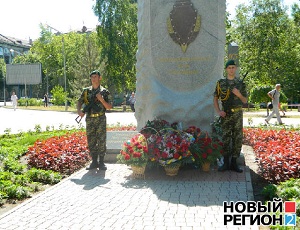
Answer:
(113, 200)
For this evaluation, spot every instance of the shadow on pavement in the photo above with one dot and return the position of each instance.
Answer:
(91, 179)
(192, 187)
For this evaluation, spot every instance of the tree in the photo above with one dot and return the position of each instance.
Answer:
(87, 58)
(267, 42)
(82, 56)
(118, 38)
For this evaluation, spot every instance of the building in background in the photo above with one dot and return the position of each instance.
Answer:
(9, 48)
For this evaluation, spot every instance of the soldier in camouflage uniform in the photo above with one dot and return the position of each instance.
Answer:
(232, 93)
(93, 103)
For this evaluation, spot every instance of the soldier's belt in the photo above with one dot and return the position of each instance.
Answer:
(96, 114)
(233, 110)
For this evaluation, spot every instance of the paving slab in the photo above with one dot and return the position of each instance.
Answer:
(112, 199)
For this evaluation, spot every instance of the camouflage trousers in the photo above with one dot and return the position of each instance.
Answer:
(232, 137)
(96, 135)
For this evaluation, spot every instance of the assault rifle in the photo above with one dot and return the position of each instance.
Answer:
(104, 93)
(244, 76)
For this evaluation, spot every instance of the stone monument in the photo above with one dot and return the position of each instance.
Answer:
(181, 48)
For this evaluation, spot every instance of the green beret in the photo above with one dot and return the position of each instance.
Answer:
(95, 72)
(229, 62)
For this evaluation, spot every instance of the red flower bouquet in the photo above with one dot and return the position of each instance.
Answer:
(204, 148)
(134, 151)
(170, 146)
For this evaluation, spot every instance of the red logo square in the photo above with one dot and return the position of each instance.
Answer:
(290, 206)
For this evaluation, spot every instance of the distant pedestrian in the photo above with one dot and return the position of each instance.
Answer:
(132, 101)
(14, 100)
(45, 100)
(274, 95)
(124, 104)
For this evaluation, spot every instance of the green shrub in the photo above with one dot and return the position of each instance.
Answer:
(11, 165)
(59, 96)
(43, 176)
(29, 102)
(289, 190)
(269, 192)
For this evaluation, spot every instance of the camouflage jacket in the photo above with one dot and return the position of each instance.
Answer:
(90, 103)
(224, 93)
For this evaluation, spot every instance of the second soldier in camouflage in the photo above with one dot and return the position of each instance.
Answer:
(232, 94)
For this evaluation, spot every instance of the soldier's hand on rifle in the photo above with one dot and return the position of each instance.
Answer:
(222, 113)
(80, 113)
(239, 95)
(236, 92)
(99, 97)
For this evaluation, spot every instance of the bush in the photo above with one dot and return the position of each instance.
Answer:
(43, 176)
(59, 96)
(29, 102)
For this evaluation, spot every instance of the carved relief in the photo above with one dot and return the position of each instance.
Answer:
(183, 23)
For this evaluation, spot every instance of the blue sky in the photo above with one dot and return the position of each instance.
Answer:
(21, 18)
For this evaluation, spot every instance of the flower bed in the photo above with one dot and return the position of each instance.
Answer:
(65, 154)
(278, 152)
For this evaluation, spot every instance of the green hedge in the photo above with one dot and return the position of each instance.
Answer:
(30, 102)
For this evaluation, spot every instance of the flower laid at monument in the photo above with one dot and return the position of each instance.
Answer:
(135, 154)
(165, 144)
(170, 146)
(135, 151)
(154, 127)
(205, 150)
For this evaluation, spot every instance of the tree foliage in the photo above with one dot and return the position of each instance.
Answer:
(59, 96)
(82, 55)
(118, 38)
(268, 45)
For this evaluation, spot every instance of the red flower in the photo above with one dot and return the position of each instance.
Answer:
(145, 149)
(176, 156)
(164, 155)
(137, 154)
(204, 155)
(127, 157)
(209, 151)
(169, 144)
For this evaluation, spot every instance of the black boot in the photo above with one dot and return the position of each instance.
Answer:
(234, 166)
(94, 163)
(225, 166)
(102, 166)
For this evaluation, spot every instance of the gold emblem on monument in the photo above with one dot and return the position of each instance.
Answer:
(183, 23)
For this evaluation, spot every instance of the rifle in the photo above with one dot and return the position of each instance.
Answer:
(244, 76)
(87, 107)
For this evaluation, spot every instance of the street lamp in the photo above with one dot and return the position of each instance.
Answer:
(64, 55)
(4, 100)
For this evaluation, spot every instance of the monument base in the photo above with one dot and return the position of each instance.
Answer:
(114, 143)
